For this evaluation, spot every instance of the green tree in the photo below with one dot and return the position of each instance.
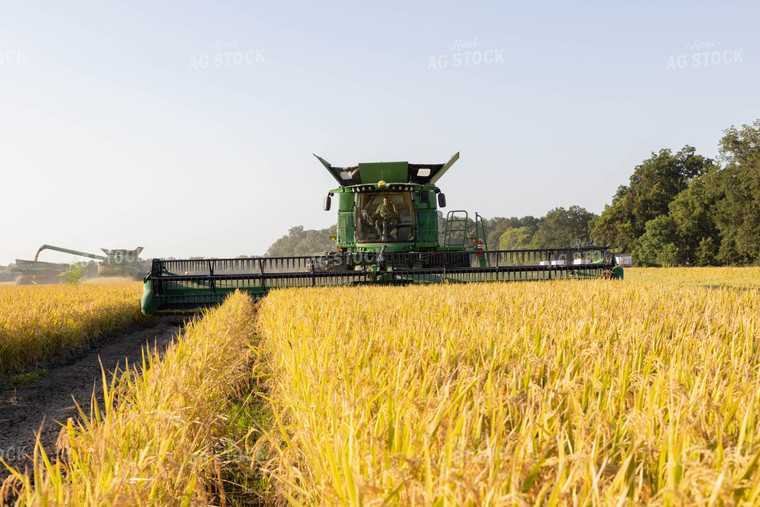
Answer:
(615, 225)
(737, 213)
(688, 233)
(74, 273)
(515, 238)
(302, 242)
(693, 215)
(496, 227)
(653, 185)
(658, 245)
(563, 227)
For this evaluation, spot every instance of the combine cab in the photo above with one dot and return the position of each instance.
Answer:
(390, 231)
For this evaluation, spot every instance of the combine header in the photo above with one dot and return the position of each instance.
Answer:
(390, 231)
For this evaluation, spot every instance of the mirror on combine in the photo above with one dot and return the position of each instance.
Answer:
(328, 202)
(441, 200)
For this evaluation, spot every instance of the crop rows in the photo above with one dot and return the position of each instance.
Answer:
(551, 393)
(38, 323)
(155, 442)
(557, 392)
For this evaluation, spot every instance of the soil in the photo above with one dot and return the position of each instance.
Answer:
(36, 408)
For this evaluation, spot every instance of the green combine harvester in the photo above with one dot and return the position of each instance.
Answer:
(391, 232)
(115, 263)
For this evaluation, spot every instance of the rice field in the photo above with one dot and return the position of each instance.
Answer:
(154, 443)
(710, 278)
(39, 322)
(641, 392)
(571, 393)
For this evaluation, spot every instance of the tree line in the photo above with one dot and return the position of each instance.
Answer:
(302, 242)
(678, 209)
(684, 209)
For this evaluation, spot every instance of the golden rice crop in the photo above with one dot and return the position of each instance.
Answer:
(40, 322)
(710, 277)
(154, 443)
(564, 392)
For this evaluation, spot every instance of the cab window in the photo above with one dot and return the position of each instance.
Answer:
(384, 217)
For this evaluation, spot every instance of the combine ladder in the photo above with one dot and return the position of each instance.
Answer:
(458, 233)
(457, 222)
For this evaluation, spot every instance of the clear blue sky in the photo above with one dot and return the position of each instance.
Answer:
(114, 133)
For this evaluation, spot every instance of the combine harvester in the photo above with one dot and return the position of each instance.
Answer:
(390, 231)
(116, 263)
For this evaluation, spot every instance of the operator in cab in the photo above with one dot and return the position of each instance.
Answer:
(385, 216)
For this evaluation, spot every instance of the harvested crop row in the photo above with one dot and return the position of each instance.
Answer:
(41, 322)
(154, 443)
(559, 392)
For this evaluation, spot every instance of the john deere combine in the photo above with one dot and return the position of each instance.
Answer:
(115, 263)
(390, 231)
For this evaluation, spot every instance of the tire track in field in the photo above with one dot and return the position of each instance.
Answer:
(51, 398)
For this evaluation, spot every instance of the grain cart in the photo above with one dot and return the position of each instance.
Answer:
(390, 231)
(38, 272)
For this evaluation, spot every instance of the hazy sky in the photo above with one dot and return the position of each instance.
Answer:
(187, 127)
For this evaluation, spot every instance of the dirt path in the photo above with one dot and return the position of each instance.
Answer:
(50, 398)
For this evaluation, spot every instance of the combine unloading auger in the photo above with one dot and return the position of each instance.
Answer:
(389, 232)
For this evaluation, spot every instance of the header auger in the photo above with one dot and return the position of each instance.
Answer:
(390, 231)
